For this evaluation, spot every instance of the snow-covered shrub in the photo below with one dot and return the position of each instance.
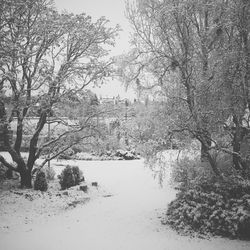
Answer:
(2, 172)
(207, 204)
(40, 181)
(77, 174)
(70, 176)
(66, 155)
(77, 149)
(49, 172)
(148, 149)
(108, 155)
(126, 155)
(67, 178)
(190, 172)
(218, 209)
(84, 156)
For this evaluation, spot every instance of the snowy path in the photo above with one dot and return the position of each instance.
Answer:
(128, 220)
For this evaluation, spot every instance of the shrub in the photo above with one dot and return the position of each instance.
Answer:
(70, 176)
(148, 149)
(213, 209)
(78, 174)
(2, 172)
(67, 178)
(49, 173)
(77, 149)
(66, 155)
(190, 172)
(126, 155)
(84, 156)
(40, 181)
(209, 205)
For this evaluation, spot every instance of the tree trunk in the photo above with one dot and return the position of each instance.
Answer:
(236, 149)
(206, 143)
(238, 136)
(26, 179)
(9, 174)
(206, 155)
(213, 165)
(204, 152)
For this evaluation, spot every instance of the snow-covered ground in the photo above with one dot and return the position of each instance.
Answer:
(128, 218)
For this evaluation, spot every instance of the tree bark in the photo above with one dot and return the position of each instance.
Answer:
(26, 179)
(213, 165)
(236, 148)
(238, 136)
(206, 154)
(9, 174)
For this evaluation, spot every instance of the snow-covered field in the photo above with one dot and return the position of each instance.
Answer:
(129, 218)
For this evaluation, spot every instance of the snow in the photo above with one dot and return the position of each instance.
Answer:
(127, 218)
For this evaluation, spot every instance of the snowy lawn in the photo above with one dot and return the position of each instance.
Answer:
(127, 217)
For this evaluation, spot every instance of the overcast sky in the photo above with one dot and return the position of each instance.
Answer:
(114, 10)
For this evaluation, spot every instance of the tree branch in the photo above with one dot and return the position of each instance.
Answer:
(6, 164)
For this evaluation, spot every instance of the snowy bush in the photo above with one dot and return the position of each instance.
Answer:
(108, 155)
(84, 156)
(66, 155)
(190, 171)
(77, 174)
(214, 210)
(2, 172)
(77, 149)
(148, 149)
(49, 173)
(207, 204)
(126, 155)
(40, 181)
(70, 176)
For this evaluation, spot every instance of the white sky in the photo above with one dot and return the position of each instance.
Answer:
(114, 10)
